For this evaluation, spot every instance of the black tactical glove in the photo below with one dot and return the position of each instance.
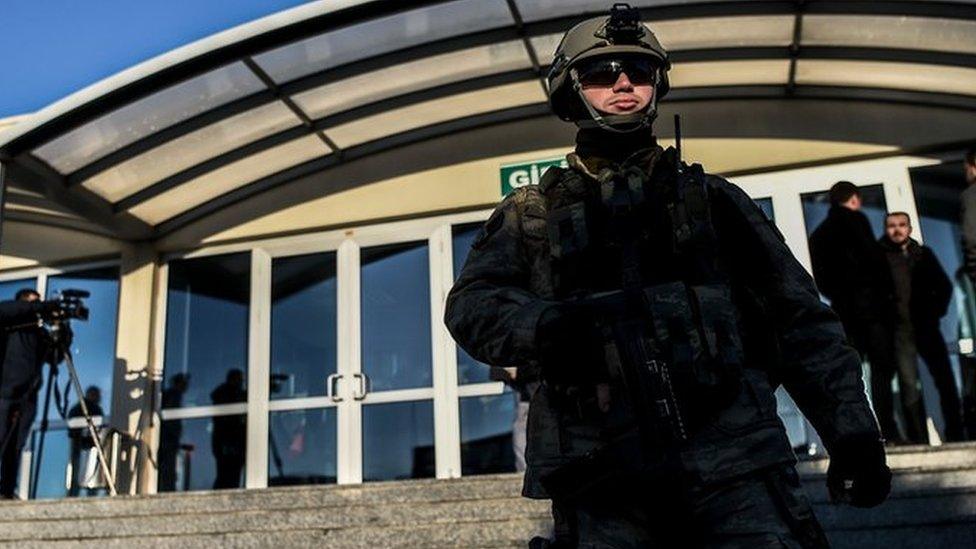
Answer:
(858, 473)
(570, 346)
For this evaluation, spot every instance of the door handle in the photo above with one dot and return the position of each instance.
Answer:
(363, 389)
(331, 384)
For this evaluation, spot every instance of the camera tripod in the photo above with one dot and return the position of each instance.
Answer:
(61, 336)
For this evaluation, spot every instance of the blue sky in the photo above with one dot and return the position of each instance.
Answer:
(52, 48)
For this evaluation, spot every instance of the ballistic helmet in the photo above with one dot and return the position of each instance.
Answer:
(621, 35)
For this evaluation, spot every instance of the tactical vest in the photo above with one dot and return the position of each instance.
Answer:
(651, 236)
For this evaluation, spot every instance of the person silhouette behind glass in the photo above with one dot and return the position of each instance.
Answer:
(81, 439)
(171, 432)
(229, 432)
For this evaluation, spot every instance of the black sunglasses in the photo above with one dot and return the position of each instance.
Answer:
(605, 72)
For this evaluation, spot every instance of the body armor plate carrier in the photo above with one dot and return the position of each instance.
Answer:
(640, 253)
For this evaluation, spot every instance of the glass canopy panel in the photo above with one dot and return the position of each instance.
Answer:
(535, 10)
(730, 73)
(383, 35)
(225, 179)
(408, 77)
(706, 32)
(148, 115)
(436, 111)
(876, 74)
(880, 31)
(724, 32)
(175, 156)
(545, 47)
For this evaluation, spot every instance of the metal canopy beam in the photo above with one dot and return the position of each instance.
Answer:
(317, 126)
(24, 165)
(49, 220)
(206, 62)
(722, 54)
(154, 140)
(827, 93)
(33, 173)
(351, 153)
(522, 31)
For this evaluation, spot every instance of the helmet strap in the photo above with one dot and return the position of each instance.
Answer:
(613, 122)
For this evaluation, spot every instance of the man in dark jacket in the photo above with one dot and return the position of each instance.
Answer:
(851, 270)
(923, 292)
(24, 348)
(633, 266)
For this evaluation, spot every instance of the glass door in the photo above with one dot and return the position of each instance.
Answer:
(303, 370)
(349, 361)
(798, 199)
(394, 381)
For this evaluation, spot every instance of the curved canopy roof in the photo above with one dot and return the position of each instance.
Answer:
(181, 136)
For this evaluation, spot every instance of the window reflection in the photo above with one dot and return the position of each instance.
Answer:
(206, 323)
(202, 455)
(937, 190)
(303, 324)
(83, 476)
(171, 433)
(9, 288)
(302, 447)
(469, 369)
(398, 441)
(396, 351)
(93, 346)
(766, 205)
(816, 205)
(486, 434)
(51, 481)
(229, 433)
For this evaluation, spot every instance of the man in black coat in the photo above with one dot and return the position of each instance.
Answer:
(923, 292)
(851, 270)
(24, 348)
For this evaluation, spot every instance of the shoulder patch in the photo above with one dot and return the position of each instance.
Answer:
(552, 175)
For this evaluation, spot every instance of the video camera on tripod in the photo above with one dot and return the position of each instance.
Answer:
(69, 305)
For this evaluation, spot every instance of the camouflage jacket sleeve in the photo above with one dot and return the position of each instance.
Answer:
(819, 369)
(491, 311)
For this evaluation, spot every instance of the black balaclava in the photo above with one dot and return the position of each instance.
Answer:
(616, 147)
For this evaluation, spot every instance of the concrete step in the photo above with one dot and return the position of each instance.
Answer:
(901, 510)
(934, 494)
(413, 491)
(955, 455)
(915, 468)
(379, 516)
(903, 481)
(508, 533)
(937, 536)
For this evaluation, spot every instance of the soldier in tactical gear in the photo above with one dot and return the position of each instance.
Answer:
(659, 309)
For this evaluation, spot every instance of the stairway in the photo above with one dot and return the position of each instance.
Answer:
(933, 506)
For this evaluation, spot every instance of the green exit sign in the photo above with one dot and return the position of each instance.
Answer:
(527, 173)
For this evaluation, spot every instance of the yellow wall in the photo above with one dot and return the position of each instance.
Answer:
(477, 183)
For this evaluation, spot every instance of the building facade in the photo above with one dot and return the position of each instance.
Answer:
(269, 220)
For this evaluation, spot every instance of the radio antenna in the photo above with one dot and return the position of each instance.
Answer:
(677, 135)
